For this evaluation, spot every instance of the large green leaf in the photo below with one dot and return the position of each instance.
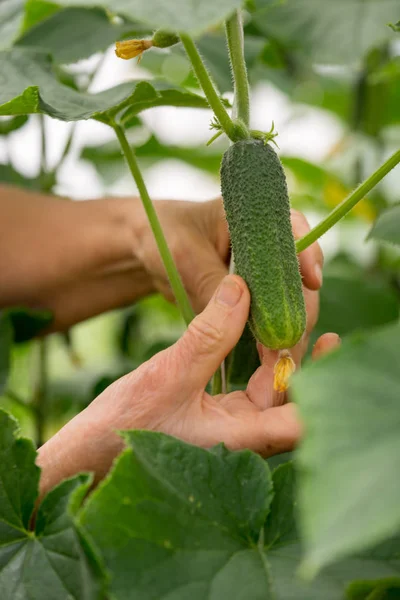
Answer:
(186, 521)
(387, 227)
(48, 562)
(180, 15)
(30, 86)
(328, 32)
(175, 521)
(75, 33)
(350, 458)
(11, 16)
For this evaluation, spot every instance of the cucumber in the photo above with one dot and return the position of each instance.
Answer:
(257, 208)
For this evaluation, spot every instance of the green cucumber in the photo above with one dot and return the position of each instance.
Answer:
(257, 208)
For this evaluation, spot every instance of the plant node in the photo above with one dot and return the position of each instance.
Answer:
(266, 137)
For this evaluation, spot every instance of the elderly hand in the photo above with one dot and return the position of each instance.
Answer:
(168, 393)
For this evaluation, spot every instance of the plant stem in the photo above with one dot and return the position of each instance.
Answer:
(169, 264)
(40, 398)
(43, 146)
(234, 36)
(344, 207)
(208, 87)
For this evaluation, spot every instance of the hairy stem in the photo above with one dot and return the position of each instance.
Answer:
(344, 207)
(208, 87)
(234, 36)
(169, 264)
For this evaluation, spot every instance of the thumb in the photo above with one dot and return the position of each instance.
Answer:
(203, 282)
(213, 333)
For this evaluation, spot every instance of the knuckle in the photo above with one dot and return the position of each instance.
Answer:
(205, 336)
(206, 284)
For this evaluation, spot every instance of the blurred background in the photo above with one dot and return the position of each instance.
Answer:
(330, 84)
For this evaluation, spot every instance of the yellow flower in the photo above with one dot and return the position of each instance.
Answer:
(283, 369)
(132, 48)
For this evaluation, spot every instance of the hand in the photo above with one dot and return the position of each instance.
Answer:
(197, 235)
(168, 394)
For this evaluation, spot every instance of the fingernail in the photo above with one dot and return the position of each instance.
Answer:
(318, 274)
(229, 292)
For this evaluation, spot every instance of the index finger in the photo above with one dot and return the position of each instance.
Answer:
(311, 259)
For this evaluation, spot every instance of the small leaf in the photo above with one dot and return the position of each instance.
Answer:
(180, 15)
(49, 561)
(350, 458)
(395, 27)
(7, 126)
(387, 226)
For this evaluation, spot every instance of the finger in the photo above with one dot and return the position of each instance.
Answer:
(205, 278)
(325, 344)
(272, 431)
(212, 334)
(311, 259)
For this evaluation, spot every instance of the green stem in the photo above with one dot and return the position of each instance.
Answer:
(169, 264)
(344, 207)
(208, 87)
(234, 36)
(43, 146)
(40, 398)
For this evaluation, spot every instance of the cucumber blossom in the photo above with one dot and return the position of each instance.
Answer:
(257, 208)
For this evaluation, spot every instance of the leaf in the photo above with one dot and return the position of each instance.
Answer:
(175, 521)
(72, 34)
(349, 491)
(387, 226)
(6, 340)
(27, 323)
(29, 86)
(7, 126)
(284, 552)
(180, 15)
(328, 32)
(108, 159)
(11, 15)
(185, 521)
(374, 590)
(242, 361)
(395, 27)
(10, 176)
(36, 11)
(49, 561)
(355, 302)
